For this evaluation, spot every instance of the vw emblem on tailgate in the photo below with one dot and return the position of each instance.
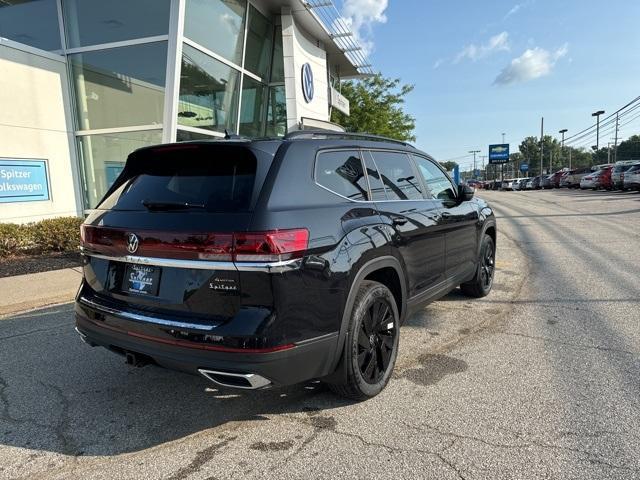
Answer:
(132, 243)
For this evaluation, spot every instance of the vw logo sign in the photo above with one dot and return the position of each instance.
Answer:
(132, 243)
(307, 82)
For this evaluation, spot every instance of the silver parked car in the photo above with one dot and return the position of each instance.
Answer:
(632, 178)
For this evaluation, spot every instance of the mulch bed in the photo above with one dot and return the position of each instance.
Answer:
(38, 263)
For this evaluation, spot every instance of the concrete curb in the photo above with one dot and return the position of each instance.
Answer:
(36, 290)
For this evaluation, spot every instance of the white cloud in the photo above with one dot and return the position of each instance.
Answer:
(361, 15)
(499, 42)
(438, 63)
(516, 8)
(533, 63)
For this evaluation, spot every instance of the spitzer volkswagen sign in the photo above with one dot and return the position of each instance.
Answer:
(307, 82)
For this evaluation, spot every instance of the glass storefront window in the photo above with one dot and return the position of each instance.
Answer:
(277, 112)
(208, 92)
(32, 22)
(259, 42)
(252, 116)
(103, 158)
(92, 22)
(217, 25)
(186, 136)
(277, 67)
(120, 87)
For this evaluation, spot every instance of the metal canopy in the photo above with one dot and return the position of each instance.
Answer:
(322, 20)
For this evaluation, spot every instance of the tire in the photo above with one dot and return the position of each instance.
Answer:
(370, 342)
(481, 284)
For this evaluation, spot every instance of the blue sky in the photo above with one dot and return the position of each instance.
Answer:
(481, 68)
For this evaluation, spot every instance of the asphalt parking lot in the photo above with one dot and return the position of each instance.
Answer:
(539, 380)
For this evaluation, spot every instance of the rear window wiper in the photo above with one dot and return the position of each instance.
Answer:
(167, 205)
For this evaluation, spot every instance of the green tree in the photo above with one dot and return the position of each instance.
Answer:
(448, 166)
(530, 150)
(377, 107)
(629, 149)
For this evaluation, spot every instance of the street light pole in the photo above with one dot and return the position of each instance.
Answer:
(474, 161)
(597, 115)
(503, 134)
(563, 131)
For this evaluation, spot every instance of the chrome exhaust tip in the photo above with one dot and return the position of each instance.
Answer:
(245, 381)
(83, 337)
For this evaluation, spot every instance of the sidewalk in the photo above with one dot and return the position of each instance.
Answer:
(36, 290)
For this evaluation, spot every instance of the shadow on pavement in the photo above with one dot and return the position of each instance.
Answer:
(60, 395)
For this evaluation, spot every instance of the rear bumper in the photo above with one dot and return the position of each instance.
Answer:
(302, 361)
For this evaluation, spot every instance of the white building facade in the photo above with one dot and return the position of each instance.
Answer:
(85, 82)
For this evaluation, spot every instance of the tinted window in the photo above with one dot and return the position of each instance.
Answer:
(220, 179)
(120, 87)
(439, 185)
(398, 176)
(341, 172)
(375, 181)
(259, 42)
(217, 25)
(34, 22)
(209, 92)
(91, 22)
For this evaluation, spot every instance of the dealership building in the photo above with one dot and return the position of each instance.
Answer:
(85, 82)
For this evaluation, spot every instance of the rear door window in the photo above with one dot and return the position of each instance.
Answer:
(398, 176)
(217, 179)
(341, 172)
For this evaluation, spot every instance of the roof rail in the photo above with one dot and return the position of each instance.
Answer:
(345, 135)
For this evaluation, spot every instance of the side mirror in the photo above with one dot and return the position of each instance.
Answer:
(465, 192)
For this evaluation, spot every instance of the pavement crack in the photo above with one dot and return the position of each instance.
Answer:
(202, 457)
(591, 457)
(569, 344)
(31, 332)
(62, 428)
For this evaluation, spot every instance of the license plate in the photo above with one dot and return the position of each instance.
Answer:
(142, 279)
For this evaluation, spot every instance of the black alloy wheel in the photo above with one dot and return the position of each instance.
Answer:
(481, 284)
(371, 345)
(376, 339)
(488, 265)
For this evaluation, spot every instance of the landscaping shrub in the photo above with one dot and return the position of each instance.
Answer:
(51, 235)
(15, 239)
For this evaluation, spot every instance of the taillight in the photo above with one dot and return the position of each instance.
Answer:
(270, 246)
(273, 246)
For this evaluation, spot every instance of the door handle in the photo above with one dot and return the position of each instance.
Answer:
(446, 215)
(399, 220)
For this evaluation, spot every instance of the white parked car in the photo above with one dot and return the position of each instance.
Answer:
(588, 181)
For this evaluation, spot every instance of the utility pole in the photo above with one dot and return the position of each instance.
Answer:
(474, 161)
(615, 148)
(563, 131)
(597, 115)
(541, 143)
(484, 173)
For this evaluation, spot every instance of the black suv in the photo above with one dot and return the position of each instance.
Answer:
(272, 262)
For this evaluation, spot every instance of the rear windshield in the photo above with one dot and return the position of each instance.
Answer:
(622, 168)
(219, 179)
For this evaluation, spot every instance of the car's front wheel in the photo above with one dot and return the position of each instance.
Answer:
(481, 284)
(372, 342)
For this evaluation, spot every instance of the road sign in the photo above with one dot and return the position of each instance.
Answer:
(524, 167)
(498, 153)
(23, 180)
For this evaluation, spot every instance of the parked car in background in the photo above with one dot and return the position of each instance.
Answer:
(521, 185)
(588, 182)
(617, 175)
(572, 179)
(604, 178)
(632, 178)
(535, 183)
(555, 178)
(546, 182)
